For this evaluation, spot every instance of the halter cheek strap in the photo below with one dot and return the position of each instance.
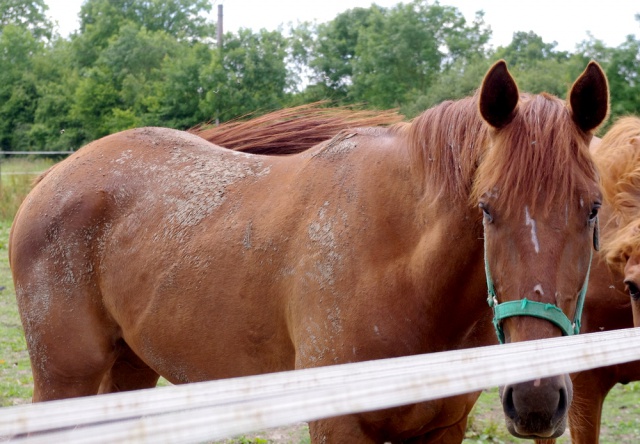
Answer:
(525, 307)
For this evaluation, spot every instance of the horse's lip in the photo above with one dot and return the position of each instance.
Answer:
(517, 431)
(525, 435)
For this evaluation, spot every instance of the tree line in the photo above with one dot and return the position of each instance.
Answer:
(157, 62)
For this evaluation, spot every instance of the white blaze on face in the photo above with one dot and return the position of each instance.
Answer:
(534, 236)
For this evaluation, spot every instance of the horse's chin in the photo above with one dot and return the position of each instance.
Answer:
(551, 431)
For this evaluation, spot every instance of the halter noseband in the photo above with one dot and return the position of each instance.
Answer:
(525, 307)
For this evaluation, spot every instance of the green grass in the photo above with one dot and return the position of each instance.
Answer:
(16, 177)
(621, 416)
(16, 384)
(25, 165)
(620, 423)
(486, 423)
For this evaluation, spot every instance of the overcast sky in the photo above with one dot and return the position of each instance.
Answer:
(563, 21)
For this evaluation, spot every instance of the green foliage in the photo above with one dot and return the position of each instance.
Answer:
(18, 92)
(336, 48)
(178, 90)
(28, 15)
(16, 383)
(249, 74)
(528, 48)
(385, 57)
(16, 177)
(153, 62)
(460, 80)
(406, 49)
(101, 20)
(623, 72)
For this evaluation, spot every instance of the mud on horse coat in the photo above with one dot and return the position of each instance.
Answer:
(153, 252)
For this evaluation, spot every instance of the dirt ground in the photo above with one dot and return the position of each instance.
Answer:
(292, 434)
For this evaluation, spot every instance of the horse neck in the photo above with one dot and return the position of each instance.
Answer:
(444, 146)
(449, 265)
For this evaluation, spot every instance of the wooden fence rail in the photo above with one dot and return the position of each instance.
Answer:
(218, 409)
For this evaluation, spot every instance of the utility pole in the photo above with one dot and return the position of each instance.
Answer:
(219, 26)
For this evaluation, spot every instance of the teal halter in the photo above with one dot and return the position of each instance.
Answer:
(525, 307)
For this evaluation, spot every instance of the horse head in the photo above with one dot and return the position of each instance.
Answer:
(538, 191)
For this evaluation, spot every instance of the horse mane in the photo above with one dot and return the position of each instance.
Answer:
(292, 130)
(444, 145)
(460, 155)
(618, 161)
(543, 142)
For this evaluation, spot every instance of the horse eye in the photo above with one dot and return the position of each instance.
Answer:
(485, 212)
(594, 212)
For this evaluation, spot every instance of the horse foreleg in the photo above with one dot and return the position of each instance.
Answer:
(590, 388)
(451, 435)
(342, 429)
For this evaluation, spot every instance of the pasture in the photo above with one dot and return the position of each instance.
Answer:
(621, 419)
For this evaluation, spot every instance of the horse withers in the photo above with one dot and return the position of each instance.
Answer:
(153, 252)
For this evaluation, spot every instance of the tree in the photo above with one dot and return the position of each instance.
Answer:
(117, 92)
(623, 73)
(30, 15)
(528, 48)
(386, 57)
(460, 80)
(100, 20)
(337, 42)
(249, 74)
(401, 56)
(53, 129)
(179, 89)
(18, 94)
(538, 66)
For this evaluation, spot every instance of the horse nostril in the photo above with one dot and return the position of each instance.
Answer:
(634, 291)
(563, 404)
(508, 404)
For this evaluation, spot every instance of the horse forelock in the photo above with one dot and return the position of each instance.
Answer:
(444, 144)
(540, 158)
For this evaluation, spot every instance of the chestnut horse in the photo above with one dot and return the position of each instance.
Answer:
(619, 161)
(154, 252)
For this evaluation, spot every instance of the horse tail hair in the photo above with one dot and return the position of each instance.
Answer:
(291, 130)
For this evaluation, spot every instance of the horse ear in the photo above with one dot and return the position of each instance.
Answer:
(498, 96)
(589, 98)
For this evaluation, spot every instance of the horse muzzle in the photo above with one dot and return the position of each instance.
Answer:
(537, 409)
